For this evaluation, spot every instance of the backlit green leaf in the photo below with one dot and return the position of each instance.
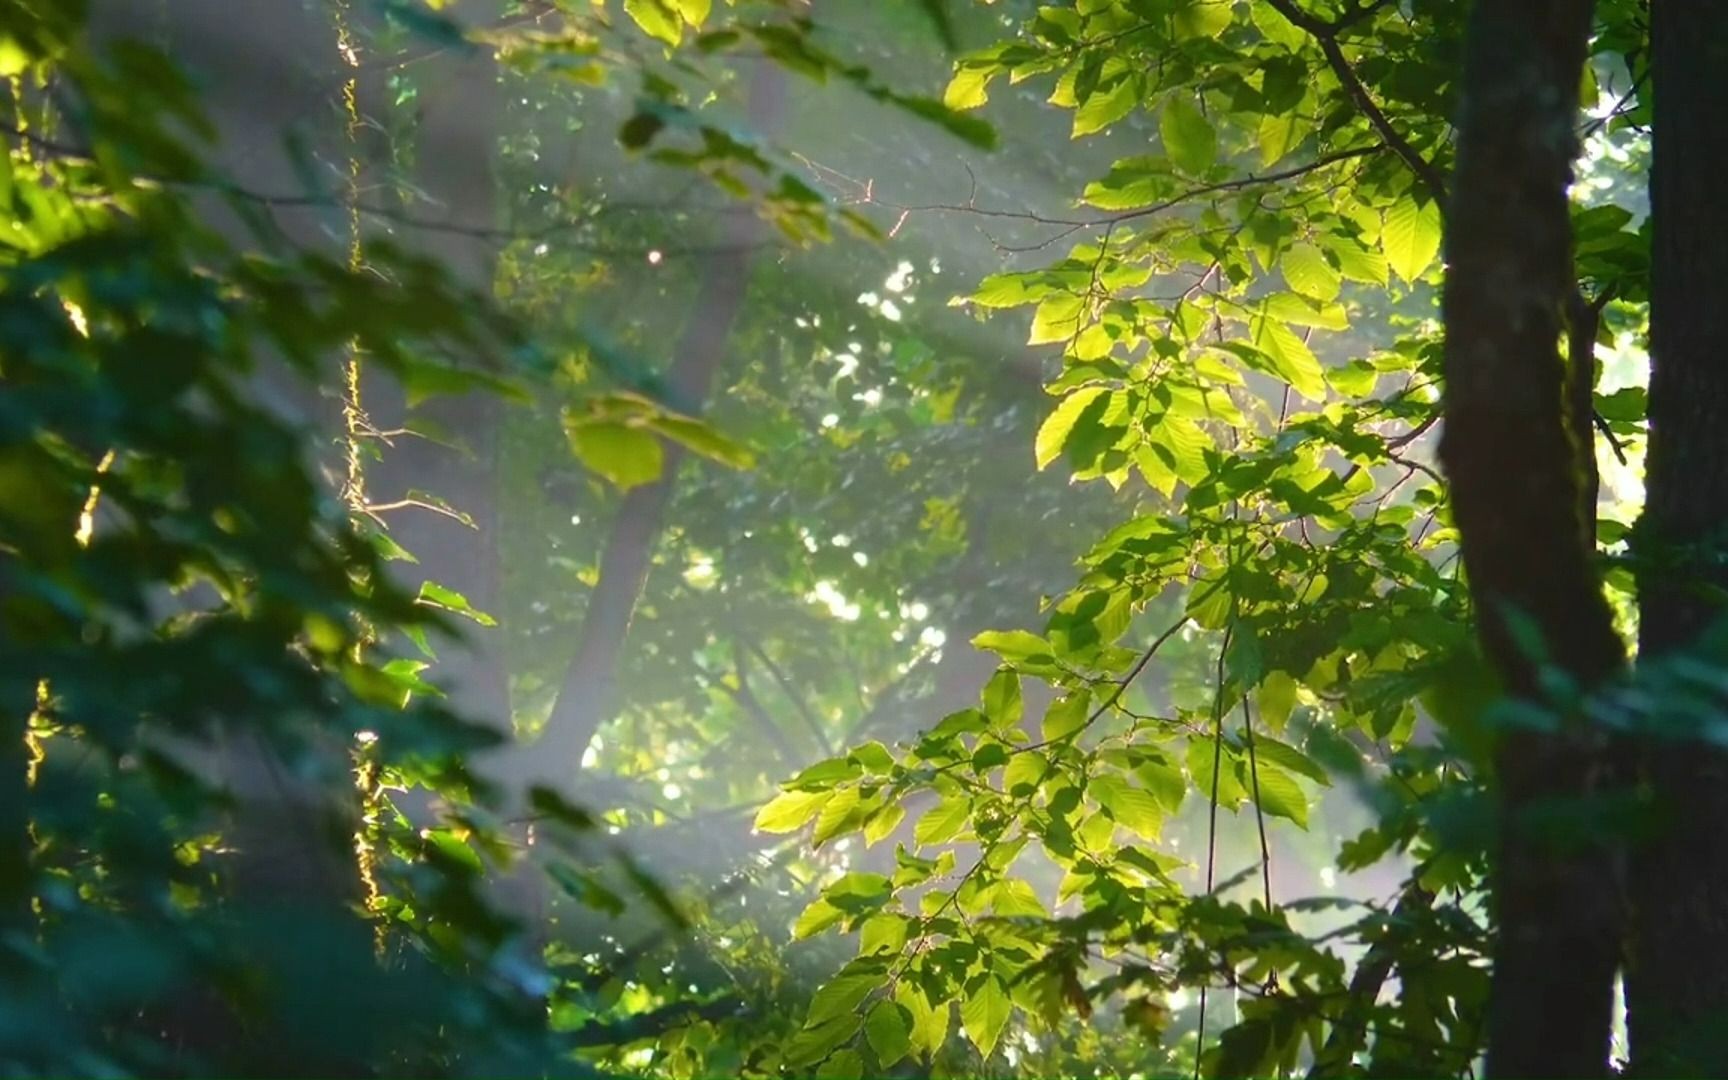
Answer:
(1188, 137)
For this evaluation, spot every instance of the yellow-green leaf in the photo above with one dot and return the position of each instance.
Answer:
(888, 1029)
(984, 1012)
(1291, 358)
(819, 916)
(695, 12)
(840, 814)
(943, 821)
(789, 810)
(1189, 140)
(1306, 269)
(1130, 807)
(929, 1022)
(1411, 236)
(1066, 715)
(627, 456)
(1279, 794)
(1054, 432)
(657, 19)
(1106, 107)
(883, 822)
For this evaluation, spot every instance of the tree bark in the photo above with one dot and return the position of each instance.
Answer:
(1677, 978)
(1516, 476)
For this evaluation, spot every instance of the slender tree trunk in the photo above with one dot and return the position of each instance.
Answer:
(1515, 471)
(1677, 981)
(587, 696)
(461, 104)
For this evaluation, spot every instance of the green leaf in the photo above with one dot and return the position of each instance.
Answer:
(1358, 263)
(1279, 793)
(695, 12)
(840, 814)
(841, 997)
(827, 773)
(1013, 896)
(1001, 698)
(1006, 290)
(1059, 425)
(1276, 29)
(627, 456)
(1025, 772)
(1131, 807)
(1411, 236)
(1202, 753)
(817, 917)
(970, 86)
(1285, 756)
(883, 823)
(859, 892)
(657, 19)
(1059, 318)
(847, 1064)
(1189, 140)
(984, 1012)
(1291, 358)
(874, 758)
(1306, 269)
(1205, 18)
(435, 595)
(943, 821)
(888, 1030)
(818, 1041)
(929, 1022)
(1014, 646)
(1279, 134)
(1066, 715)
(1105, 108)
(1277, 698)
(1165, 781)
(789, 810)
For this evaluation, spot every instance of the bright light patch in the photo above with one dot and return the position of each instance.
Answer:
(835, 601)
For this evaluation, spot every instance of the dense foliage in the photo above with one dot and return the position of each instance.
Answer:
(689, 539)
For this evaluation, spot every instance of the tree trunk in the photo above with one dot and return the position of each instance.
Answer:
(1515, 472)
(461, 105)
(1677, 980)
(587, 696)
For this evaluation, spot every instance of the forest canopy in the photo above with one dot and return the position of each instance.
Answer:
(863, 538)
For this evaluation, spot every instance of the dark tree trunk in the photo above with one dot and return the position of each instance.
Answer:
(1677, 981)
(1515, 471)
